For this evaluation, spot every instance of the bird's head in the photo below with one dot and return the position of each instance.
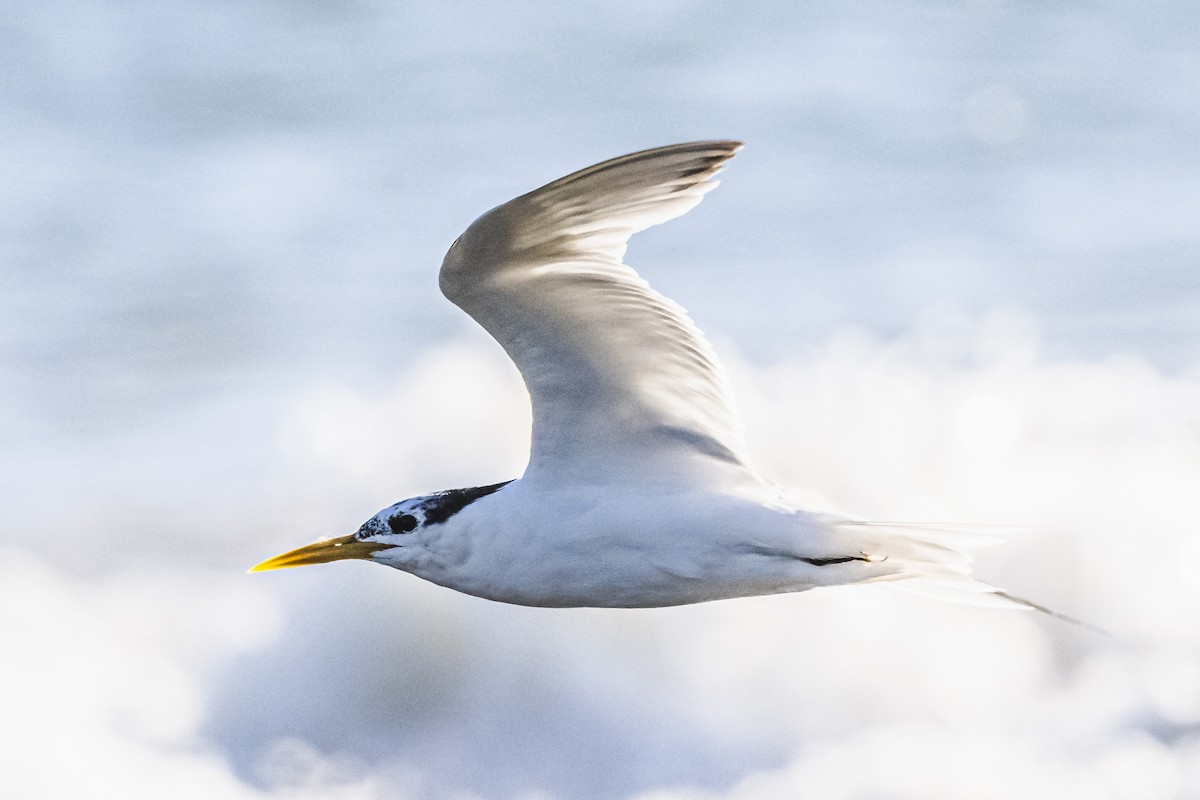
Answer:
(397, 526)
(397, 536)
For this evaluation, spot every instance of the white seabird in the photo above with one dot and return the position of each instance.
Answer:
(638, 491)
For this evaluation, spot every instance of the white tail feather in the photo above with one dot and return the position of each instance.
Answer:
(933, 560)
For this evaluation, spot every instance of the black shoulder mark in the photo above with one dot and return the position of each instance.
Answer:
(444, 505)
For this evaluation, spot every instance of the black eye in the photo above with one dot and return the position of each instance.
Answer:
(403, 523)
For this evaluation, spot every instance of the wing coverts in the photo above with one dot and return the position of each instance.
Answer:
(621, 380)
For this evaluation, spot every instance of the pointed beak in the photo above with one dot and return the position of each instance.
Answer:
(319, 552)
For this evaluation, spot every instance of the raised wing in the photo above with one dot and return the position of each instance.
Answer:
(624, 386)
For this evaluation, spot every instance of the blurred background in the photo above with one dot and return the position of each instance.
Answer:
(954, 275)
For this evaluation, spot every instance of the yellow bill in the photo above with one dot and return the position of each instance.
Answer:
(319, 552)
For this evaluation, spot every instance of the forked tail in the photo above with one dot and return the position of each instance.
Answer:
(935, 561)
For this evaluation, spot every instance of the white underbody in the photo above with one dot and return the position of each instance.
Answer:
(585, 546)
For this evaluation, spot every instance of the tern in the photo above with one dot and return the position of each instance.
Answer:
(638, 491)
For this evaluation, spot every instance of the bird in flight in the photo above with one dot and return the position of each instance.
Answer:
(638, 491)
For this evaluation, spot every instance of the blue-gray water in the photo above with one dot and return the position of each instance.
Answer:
(955, 274)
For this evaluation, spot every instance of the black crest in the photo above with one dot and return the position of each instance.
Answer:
(444, 505)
